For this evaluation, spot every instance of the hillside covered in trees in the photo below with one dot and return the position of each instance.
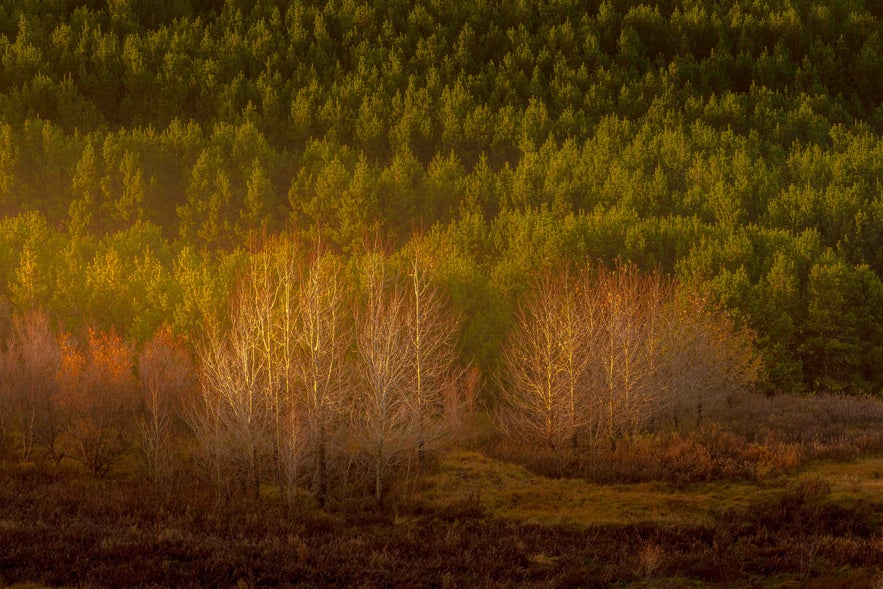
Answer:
(736, 146)
(589, 291)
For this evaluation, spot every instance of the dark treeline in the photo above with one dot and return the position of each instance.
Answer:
(737, 147)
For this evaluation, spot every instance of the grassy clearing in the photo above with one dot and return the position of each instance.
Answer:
(512, 492)
(861, 478)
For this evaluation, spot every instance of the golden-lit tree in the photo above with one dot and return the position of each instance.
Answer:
(614, 352)
(709, 362)
(321, 371)
(232, 416)
(381, 418)
(265, 308)
(245, 415)
(631, 324)
(432, 330)
(545, 361)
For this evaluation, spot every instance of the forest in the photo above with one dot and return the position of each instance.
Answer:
(307, 262)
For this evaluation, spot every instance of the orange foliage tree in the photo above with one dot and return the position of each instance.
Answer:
(97, 392)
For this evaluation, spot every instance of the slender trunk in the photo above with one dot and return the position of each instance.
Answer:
(27, 435)
(255, 475)
(378, 475)
(321, 469)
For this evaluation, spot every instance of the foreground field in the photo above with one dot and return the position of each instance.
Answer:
(511, 492)
(475, 522)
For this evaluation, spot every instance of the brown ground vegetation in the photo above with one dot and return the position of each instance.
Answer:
(61, 529)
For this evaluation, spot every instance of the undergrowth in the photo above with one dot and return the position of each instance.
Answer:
(750, 503)
(63, 530)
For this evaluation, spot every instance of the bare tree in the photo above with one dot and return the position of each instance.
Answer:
(710, 361)
(659, 354)
(320, 365)
(381, 417)
(28, 385)
(432, 331)
(615, 352)
(545, 361)
(273, 382)
(97, 390)
(246, 413)
(266, 302)
(206, 415)
(628, 344)
(166, 374)
(288, 431)
(233, 413)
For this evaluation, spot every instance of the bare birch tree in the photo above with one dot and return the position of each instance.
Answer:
(381, 419)
(432, 330)
(27, 384)
(627, 346)
(236, 394)
(616, 352)
(545, 361)
(166, 374)
(270, 304)
(320, 363)
(274, 381)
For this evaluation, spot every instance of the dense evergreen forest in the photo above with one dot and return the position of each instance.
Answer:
(145, 148)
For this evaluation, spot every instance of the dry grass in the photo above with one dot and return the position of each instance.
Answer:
(512, 492)
(854, 423)
(859, 479)
(477, 522)
(679, 458)
(743, 507)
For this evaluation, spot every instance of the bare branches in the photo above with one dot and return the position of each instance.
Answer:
(295, 369)
(710, 362)
(320, 366)
(233, 415)
(432, 332)
(546, 362)
(273, 382)
(97, 391)
(381, 418)
(631, 322)
(166, 374)
(606, 355)
(28, 386)
(405, 342)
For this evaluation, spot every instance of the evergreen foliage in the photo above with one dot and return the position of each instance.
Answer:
(738, 146)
